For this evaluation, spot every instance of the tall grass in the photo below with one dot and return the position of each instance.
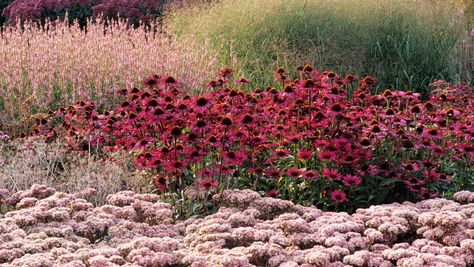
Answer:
(41, 69)
(405, 43)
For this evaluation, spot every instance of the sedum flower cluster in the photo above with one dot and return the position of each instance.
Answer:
(49, 228)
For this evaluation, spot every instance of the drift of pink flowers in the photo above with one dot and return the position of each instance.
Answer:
(63, 63)
(310, 128)
(49, 228)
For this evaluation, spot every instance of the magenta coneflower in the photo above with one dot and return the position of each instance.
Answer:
(364, 141)
(234, 157)
(160, 183)
(351, 180)
(293, 173)
(310, 174)
(348, 159)
(321, 143)
(327, 155)
(144, 143)
(272, 173)
(154, 162)
(247, 119)
(281, 153)
(242, 81)
(226, 121)
(338, 196)
(225, 73)
(224, 169)
(206, 173)
(175, 166)
(194, 155)
(332, 174)
(305, 154)
(208, 184)
(411, 166)
(202, 102)
(151, 81)
(169, 81)
(432, 175)
(214, 84)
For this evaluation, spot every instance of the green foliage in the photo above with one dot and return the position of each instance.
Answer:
(406, 44)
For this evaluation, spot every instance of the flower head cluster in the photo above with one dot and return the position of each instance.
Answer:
(137, 230)
(54, 228)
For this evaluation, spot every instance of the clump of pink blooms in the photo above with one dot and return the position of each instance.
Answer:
(48, 228)
(316, 138)
(134, 10)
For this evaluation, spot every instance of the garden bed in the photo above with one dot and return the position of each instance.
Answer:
(49, 228)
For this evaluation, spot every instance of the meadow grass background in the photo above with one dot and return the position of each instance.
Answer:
(405, 44)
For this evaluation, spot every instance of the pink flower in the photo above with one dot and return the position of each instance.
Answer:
(305, 154)
(293, 172)
(351, 180)
(234, 157)
(327, 155)
(332, 174)
(206, 173)
(160, 183)
(242, 81)
(472, 33)
(338, 196)
(281, 153)
(208, 183)
(310, 174)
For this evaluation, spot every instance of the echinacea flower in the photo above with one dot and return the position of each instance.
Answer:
(281, 153)
(151, 81)
(305, 154)
(160, 183)
(348, 159)
(272, 173)
(234, 157)
(310, 174)
(338, 196)
(332, 174)
(225, 73)
(327, 155)
(202, 102)
(226, 121)
(169, 81)
(293, 173)
(411, 166)
(351, 180)
(208, 184)
(175, 166)
(206, 173)
(242, 81)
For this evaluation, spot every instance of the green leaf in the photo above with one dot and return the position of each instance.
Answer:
(389, 181)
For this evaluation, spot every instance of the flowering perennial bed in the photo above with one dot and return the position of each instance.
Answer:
(49, 228)
(319, 139)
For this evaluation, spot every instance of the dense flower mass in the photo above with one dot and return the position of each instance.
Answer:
(39, 71)
(135, 11)
(320, 139)
(44, 227)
